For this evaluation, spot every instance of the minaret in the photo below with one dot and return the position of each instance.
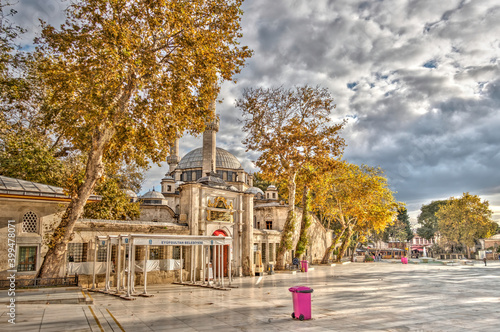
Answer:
(173, 159)
(209, 142)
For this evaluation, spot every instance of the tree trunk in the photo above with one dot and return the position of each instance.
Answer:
(287, 233)
(345, 244)
(300, 248)
(354, 251)
(331, 248)
(54, 259)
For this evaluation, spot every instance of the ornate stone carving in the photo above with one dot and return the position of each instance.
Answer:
(213, 125)
(224, 214)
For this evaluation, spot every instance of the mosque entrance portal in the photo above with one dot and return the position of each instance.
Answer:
(225, 257)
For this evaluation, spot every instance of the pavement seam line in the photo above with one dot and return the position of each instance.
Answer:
(41, 322)
(116, 321)
(96, 320)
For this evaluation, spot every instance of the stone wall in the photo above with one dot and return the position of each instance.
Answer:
(319, 238)
(158, 213)
(48, 214)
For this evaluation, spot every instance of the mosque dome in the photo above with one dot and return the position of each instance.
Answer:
(152, 194)
(130, 193)
(223, 159)
(254, 191)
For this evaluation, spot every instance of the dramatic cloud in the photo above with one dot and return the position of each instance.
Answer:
(419, 82)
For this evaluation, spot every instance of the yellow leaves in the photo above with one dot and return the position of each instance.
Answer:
(465, 219)
(142, 62)
(355, 195)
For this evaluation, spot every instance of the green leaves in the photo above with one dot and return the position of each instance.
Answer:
(114, 205)
(428, 220)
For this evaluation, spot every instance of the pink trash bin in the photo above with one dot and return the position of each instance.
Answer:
(301, 297)
(303, 266)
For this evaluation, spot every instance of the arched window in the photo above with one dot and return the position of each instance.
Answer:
(30, 222)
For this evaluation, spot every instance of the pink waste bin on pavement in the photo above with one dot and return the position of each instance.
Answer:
(301, 297)
(404, 260)
(303, 266)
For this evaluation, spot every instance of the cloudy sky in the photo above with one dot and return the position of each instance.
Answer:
(419, 82)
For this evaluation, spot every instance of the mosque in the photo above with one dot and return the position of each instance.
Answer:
(204, 193)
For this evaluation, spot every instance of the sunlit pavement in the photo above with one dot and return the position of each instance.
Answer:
(352, 297)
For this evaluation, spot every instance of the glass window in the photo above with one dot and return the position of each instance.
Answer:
(269, 225)
(156, 252)
(140, 251)
(101, 253)
(176, 252)
(264, 253)
(77, 252)
(27, 259)
(30, 223)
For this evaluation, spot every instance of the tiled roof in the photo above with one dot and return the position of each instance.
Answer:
(27, 188)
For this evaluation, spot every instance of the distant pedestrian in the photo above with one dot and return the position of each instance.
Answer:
(484, 260)
(379, 257)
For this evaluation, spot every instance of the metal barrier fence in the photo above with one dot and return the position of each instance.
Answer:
(40, 282)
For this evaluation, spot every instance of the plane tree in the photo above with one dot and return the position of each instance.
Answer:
(464, 220)
(123, 77)
(291, 128)
(358, 200)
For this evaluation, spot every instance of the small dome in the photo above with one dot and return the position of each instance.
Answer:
(254, 191)
(179, 183)
(213, 181)
(272, 187)
(152, 195)
(168, 178)
(130, 193)
(232, 188)
(223, 159)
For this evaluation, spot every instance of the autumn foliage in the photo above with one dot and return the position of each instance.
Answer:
(123, 77)
(291, 128)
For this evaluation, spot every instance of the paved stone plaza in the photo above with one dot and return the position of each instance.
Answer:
(352, 297)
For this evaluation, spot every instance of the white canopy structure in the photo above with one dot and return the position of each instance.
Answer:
(130, 242)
